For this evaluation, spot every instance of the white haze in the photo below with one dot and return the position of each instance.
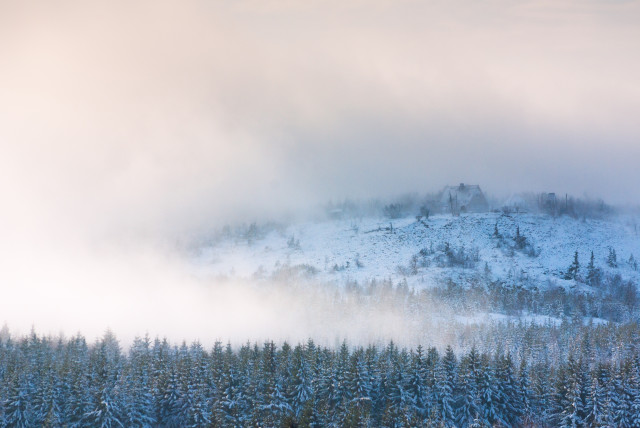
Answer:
(146, 293)
(125, 126)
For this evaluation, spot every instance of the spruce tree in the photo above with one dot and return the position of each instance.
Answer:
(468, 402)
(509, 398)
(593, 274)
(612, 258)
(418, 384)
(621, 400)
(572, 271)
(18, 403)
(525, 392)
(302, 387)
(487, 385)
(520, 240)
(576, 406)
(446, 386)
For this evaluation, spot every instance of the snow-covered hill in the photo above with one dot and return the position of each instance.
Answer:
(342, 251)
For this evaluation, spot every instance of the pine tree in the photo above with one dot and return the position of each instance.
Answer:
(75, 368)
(302, 388)
(520, 240)
(508, 397)
(597, 409)
(544, 394)
(18, 404)
(621, 400)
(468, 400)
(575, 406)
(446, 386)
(359, 407)
(199, 413)
(50, 410)
(488, 405)
(525, 392)
(399, 400)
(560, 405)
(593, 273)
(635, 391)
(139, 403)
(326, 387)
(340, 391)
(612, 258)
(233, 400)
(106, 412)
(105, 409)
(572, 272)
(418, 385)
(170, 401)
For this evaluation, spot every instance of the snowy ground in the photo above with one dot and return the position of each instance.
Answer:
(339, 251)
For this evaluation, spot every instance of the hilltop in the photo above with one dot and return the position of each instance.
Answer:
(426, 252)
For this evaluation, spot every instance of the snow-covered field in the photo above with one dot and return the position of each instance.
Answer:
(345, 250)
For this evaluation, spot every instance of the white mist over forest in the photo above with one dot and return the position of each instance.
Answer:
(127, 130)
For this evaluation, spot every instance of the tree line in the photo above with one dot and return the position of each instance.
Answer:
(507, 375)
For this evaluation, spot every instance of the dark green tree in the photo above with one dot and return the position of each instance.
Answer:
(572, 271)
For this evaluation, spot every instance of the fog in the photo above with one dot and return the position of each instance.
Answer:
(125, 127)
(161, 295)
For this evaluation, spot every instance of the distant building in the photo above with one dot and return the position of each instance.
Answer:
(463, 198)
(548, 200)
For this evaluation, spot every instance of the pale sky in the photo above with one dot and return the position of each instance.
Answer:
(166, 111)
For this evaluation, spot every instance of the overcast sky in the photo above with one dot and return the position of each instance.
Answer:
(167, 112)
(164, 116)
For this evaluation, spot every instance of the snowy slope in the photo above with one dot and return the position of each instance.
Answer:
(339, 251)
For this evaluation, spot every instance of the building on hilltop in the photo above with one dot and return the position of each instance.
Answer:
(463, 198)
(548, 200)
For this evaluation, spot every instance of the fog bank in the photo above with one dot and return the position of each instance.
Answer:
(125, 127)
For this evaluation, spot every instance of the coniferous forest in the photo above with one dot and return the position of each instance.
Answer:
(473, 350)
(519, 375)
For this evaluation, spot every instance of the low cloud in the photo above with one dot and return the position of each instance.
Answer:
(131, 124)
